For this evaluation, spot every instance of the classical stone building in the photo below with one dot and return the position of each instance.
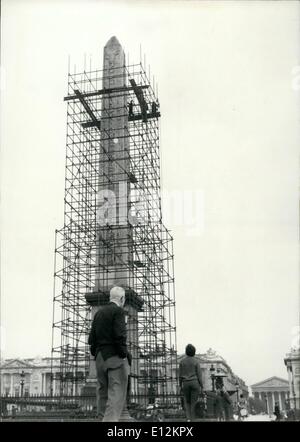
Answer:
(28, 376)
(270, 391)
(292, 362)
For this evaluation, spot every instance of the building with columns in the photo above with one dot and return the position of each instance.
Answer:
(272, 390)
(30, 376)
(292, 362)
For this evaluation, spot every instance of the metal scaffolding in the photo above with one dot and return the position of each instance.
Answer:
(113, 232)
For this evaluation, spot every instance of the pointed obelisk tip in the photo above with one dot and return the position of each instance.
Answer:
(113, 41)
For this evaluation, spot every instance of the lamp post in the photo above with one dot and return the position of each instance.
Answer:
(212, 376)
(237, 391)
(22, 382)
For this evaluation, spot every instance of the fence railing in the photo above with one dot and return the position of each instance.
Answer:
(13, 406)
(72, 406)
(79, 406)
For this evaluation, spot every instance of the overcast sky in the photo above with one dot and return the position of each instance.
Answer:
(229, 129)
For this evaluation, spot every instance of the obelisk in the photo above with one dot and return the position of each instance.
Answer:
(113, 253)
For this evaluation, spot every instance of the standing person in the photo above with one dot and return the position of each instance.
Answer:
(277, 411)
(131, 108)
(242, 408)
(108, 345)
(190, 381)
(227, 403)
(218, 405)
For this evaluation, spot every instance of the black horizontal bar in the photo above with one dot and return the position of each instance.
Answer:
(88, 109)
(142, 116)
(130, 118)
(103, 91)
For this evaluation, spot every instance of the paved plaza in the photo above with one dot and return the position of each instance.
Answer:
(260, 417)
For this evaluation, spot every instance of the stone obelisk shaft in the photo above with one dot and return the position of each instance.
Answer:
(114, 239)
(114, 236)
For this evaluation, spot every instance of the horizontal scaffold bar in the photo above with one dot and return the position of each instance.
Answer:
(104, 91)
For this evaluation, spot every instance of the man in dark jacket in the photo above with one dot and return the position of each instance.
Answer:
(108, 344)
(277, 411)
(227, 403)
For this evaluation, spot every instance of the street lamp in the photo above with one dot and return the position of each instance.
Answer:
(237, 391)
(212, 376)
(22, 382)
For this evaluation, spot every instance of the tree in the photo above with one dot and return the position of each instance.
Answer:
(256, 405)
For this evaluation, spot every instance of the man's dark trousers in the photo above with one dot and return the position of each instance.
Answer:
(112, 375)
(191, 391)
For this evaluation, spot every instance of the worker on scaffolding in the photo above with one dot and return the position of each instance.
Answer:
(154, 108)
(130, 106)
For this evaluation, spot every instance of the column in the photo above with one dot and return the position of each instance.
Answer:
(280, 402)
(45, 383)
(264, 399)
(269, 402)
(282, 394)
(3, 383)
(283, 399)
(11, 384)
(273, 400)
(290, 380)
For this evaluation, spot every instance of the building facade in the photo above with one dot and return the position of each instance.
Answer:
(270, 391)
(32, 376)
(292, 362)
